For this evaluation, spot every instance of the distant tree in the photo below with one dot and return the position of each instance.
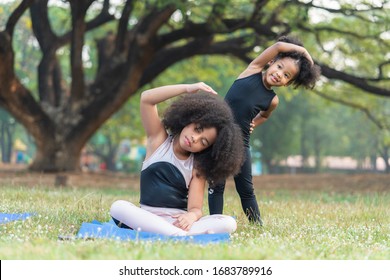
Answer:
(7, 135)
(147, 37)
(377, 111)
(125, 124)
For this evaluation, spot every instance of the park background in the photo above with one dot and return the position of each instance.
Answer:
(71, 73)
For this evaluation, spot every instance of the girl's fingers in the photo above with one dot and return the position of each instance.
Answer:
(206, 88)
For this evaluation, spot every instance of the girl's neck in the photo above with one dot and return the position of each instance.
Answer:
(178, 151)
(263, 75)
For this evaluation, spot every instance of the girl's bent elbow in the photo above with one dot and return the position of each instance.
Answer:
(143, 94)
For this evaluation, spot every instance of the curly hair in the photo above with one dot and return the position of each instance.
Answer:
(225, 157)
(308, 74)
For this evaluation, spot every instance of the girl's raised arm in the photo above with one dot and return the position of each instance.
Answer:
(155, 131)
(258, 64)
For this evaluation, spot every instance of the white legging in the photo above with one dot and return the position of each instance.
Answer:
(160, 220)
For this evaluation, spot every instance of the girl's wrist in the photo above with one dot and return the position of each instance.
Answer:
(196, 214)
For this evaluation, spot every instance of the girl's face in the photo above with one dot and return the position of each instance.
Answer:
(280, 73)
(194, 138)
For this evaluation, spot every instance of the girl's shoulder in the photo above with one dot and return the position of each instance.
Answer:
(249, 75)
(157, 144)
(274, 103)
(250, 71)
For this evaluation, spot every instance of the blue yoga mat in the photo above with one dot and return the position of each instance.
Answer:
(9, 217)
(109, 230)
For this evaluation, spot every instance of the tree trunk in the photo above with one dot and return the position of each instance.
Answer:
(317, 153)
(304, 149)
(56, 155)
(56, 159)
(385, 156)
(6, 143)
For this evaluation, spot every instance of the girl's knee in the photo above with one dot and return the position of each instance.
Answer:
(118, 207)
(231, 224)
(227, 223)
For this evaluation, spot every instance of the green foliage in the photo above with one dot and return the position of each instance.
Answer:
(305, 124)
(27, 55)
(6, 9)
(217, 71)
(60, 17)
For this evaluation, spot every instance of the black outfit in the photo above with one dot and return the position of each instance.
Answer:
(165, 178)
(246, 97)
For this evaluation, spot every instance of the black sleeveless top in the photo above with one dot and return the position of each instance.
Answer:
(247, 97)
(165, 178)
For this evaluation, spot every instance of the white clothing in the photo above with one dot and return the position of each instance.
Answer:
(160, 220)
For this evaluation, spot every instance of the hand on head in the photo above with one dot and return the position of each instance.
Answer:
(193, 88)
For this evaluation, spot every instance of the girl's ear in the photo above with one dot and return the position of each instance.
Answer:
(269, 63)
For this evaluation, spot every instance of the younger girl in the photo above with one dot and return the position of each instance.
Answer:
(196, 141)
(252, 99)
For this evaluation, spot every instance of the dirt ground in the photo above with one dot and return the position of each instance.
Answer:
(19, 176)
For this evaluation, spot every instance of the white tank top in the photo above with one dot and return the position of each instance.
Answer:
(165, 153)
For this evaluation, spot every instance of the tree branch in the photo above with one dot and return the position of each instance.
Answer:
(41, 25)
(344, 11)
(146, 31)
(78, 11)
(365, 110)
(16, 14)
(154, 20)
(48, 42)
(122, 27)
(256, 15)
(328, 29)
(380, 75)
(193, 30)
(353, 80)
(167, 57)
(99, 20)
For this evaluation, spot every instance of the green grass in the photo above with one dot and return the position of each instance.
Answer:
(314, 225)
